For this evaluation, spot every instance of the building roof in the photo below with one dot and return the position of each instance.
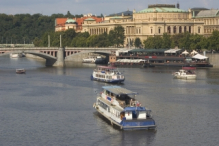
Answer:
(70, 21)
(162, 10)
(208, 13)
(125, 13)
(199, 8)
(60, 21)
(116, 17)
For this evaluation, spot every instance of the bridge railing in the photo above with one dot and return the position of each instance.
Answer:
(56, 48)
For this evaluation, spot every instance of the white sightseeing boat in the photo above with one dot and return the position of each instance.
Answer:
(121, 108)
(187, 73)
(107, 74)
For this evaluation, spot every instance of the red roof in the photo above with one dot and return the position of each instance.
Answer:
(60, 22)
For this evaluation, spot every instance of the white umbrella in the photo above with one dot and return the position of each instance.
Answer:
(194, 52)
(185, 52)
(199, 56)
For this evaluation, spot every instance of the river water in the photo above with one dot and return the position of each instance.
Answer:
(51, 106)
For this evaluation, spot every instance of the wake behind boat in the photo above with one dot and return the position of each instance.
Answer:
(107, 74)
(187, 73)
(121, 108)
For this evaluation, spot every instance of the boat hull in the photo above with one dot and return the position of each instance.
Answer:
(185, 77)
(146, 124)
(107, 81)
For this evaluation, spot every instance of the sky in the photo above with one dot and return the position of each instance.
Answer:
(95, 7)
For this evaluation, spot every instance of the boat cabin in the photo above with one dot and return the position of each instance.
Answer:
(130, 108)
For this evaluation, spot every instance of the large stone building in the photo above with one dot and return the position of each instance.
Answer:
(209, 17)
(156, 20)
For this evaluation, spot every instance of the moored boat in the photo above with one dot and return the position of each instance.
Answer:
(187, 73)
(158, 58)
(20, 71)
(107, 74)
(15, 55)
(94, 59)
(121, 108)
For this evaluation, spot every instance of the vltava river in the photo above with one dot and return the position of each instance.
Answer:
(51, 106)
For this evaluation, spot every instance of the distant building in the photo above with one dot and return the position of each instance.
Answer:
(62, 24)
(154, 20)
(209, 17)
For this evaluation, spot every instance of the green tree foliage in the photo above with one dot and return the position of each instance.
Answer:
(92, 41)
(117, 36)
(137, 42)
(68, 36)
(166, 41)
(214, 41)
(20, 27)
(153, 42)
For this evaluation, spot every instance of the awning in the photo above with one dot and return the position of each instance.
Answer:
(194, 52)
(147, 51)
(172, 51)
(199, 56)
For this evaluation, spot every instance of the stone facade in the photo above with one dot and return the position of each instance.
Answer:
(156, 20)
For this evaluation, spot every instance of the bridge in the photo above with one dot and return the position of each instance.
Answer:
(56, 56)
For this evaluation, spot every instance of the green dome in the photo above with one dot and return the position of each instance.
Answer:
(70, 21)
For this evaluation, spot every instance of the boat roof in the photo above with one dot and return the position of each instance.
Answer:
(106, 67)
(117, 90)
(148, 50)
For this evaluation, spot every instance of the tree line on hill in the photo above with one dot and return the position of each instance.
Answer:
(70, 38)
(26, 28)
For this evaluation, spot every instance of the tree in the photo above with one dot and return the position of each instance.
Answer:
(214, 41)
(137, 42)
(117, 36)
(153, 42)
(68, 37)
(166, 41)
(185, 41)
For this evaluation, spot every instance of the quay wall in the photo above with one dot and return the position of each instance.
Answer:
(214, 59)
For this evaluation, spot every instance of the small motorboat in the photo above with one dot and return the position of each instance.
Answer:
(187, 73)
(20, 71)
(121, 108)
(15, 55)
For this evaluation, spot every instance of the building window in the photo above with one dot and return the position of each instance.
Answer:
(189, 29)
(159, 30)
(174, 29)
(168, 29)
(199, 30)
(151, 30)
(180, 29)
(185, 29)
